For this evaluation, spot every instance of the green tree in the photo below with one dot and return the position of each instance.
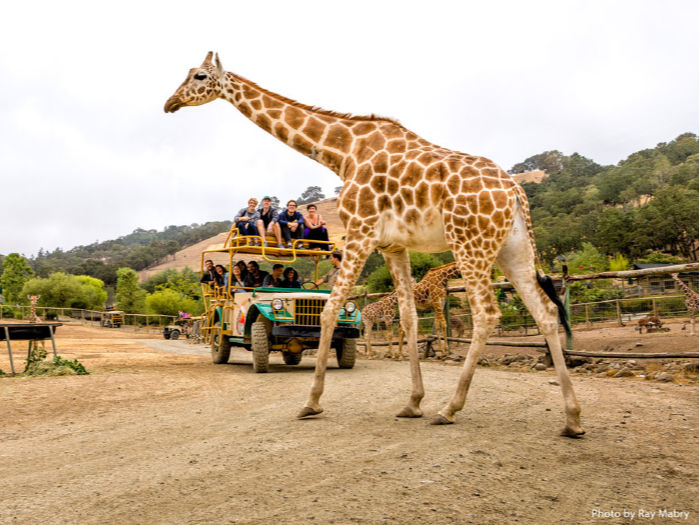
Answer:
(62, 290)
(588, 260)
(15, 273)
(93, 292)
(131, 298)
(170, 302)
(619, 263)
(311, 194)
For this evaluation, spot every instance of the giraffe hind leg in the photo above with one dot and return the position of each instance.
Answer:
(516, 261)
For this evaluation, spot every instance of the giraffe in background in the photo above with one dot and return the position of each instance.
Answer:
(33, 318)
(382, 310)
(400, 193)
(691, 301)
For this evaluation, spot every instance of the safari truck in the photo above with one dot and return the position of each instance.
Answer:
(112, 318)
(265, 320)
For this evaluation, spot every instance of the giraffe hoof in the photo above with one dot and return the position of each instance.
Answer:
(308, 411)
(410, 412)
(439, 419)
(572, 433)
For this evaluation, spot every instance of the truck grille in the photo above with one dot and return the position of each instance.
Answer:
(307, 312)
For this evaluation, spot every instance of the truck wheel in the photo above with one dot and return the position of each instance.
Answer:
(175, 334)
(291, 359)
(166, 335)
(260, 346)
(220, 346)
(346, 353)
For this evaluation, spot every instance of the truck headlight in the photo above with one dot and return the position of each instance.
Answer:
(277, 304)
(350, 307)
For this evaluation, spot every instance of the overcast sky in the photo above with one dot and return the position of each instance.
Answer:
(87, 153)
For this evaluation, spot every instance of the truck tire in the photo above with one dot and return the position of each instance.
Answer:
(175, 334)
(220, 346)
(260, 345)
(347, 353)
(291, 359)
(166, 335)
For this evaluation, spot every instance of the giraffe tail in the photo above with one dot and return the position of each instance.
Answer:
(547, 285)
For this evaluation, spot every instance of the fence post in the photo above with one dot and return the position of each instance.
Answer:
(653, 307)
(588, 319)
(619, 312)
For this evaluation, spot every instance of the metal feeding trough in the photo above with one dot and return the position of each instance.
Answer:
(27, 332)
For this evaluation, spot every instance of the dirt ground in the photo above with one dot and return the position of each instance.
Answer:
(156, 434)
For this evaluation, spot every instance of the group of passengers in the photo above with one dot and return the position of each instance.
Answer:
(249, 276)
(285, 225)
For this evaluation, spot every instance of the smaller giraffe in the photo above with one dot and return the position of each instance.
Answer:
(431, 291)
(691, 301)
(382, 310)
(33, 318)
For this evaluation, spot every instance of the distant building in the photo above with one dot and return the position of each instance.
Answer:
(659, 284)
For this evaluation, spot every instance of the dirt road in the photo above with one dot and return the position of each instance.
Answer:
(155, 437)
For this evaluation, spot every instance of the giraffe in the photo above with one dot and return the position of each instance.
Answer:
(32, 310)
(400, 193)
(691, 301)
(33, 318)
(431, 292)
(382, 310)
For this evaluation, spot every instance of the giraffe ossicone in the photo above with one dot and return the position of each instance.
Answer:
(403, 193)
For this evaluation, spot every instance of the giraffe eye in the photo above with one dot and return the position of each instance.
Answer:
(200, 76)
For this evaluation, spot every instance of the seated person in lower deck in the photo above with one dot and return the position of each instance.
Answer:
(244, 269)
(221, 276)
(255, 275)
(315, 229)
(237, 279)
(208, 274)
(274, 279)
(290, 278)
(245, 219)
(291, 223)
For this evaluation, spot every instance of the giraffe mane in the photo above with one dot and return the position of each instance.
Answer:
(315, 109)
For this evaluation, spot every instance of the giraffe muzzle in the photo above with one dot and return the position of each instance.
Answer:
(172, 105)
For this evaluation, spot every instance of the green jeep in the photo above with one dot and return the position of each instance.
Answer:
(264, 320)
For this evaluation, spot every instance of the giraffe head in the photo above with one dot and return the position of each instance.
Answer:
(203, 84)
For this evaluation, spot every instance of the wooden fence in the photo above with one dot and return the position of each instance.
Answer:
(87, 316)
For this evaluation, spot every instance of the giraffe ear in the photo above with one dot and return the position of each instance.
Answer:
(207, 60)
(219, 67)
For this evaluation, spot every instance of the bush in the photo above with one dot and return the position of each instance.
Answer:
(169, 302)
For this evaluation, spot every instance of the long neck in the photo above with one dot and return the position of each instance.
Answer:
(317, 134)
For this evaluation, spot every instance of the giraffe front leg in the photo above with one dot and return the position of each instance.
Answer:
(350, 267)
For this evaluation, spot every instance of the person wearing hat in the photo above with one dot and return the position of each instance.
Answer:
(266, 220)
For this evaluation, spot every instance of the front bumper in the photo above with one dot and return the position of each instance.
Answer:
(293, 330)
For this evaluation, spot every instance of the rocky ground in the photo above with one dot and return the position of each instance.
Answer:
(157, 434)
